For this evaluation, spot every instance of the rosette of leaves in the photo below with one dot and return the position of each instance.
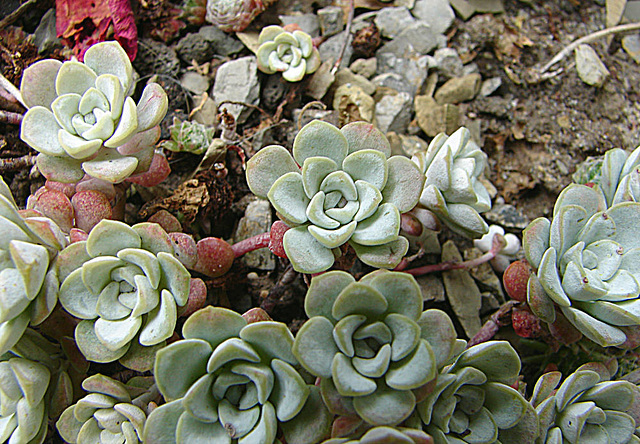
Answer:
(28, 277)
(192, 137)
(229, 381)
(371, 343)
(587, 407)
(348, 191)
(452, 189)
(82, 119)
(23, 410)
(586, 261)
(108, 414)
(126, 284)
(234, 15)
(291, 53)
(619, 176)
(473, 401)
(386, 435)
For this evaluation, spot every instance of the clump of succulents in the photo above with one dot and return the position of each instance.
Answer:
(82, 119)
(349, 190)
(28, 277)
(586, 407)
(291, 53)
(473, 401)
(192, 137)
(453, 191)
(23, 404)
(619, 176)
(586, 264)
(371, 344)
(386, 435)
(108, 414)
(230, 381)
(126, 285)
(234, 15)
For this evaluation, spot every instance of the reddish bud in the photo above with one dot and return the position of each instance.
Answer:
(410, 224)
(184, 247)
(158, 171)
(166, 220)
(197, 298)
(515, 279)
(215, 257)
(90, 208)
(275, 242)
(525, 323)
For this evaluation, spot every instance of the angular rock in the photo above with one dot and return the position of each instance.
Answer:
(416, 39)
(631, 44)
(393, 81)
(331, 20)
(470, 68)
(45, 36)
(488, 6)
(352, 99)
(437, 13)
(506, 215)
(194, 46)
(413, 69)
(392, 21)
(222, 43)
(393, 112)
(489, 86)
(406, 145)
(237, 81)
(434, 118)
(462, 292)
(590, 68)
(364, 67)
(448, 62)
(194, 82)
(463, 8)
(459, 89)
(330, 49)
(320, 81)
(345, 76)
(307, 22)
(257, 219)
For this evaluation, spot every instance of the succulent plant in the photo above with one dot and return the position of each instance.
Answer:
(229, 381)
(194, 11)
(386, 435)
(473, 401)
(619, 178)
(126, 284)
(82, 119)
(23, 410)
(192, 137)
(586, 264)
(28, 276)
(348, 190)
(506, 255)
(108, 414)
(586, 407)
(234, 15)
(453, 190)
(371, 343)
(291, 53)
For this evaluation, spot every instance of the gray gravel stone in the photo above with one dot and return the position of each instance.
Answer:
(414, 69)
(459, 89)
(345, 76)
(437, 13)
(631, 44)
(490, 86)
(45, 36)
(364, 67)
(393, 81)
(330, 49)
(331, 20)
(449, 63)
(393, 112)
(257, 220)
(307, 22)
(194, 46)
(392, 21)
(507, 215)
(194, 82)
(223, 43)
(590, 68)
(156, 58)
(417, 38)
(237, 81)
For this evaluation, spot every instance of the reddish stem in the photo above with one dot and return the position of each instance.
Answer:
(499, 319)
(250, 244)
(11, 118)
(497, 245)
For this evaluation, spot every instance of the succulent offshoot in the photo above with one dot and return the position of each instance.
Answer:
(291, 53)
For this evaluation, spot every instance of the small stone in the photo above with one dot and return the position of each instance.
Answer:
(631, 44)
(431, 287)
(45, 36)
(320, 81)
(589, 66)
(507, 215)
(488, 6)
(489, 86)
(409, 4)
(331, 20)
(307, 22)
(448, 62)
(413, 69)
(365, 67)
(632, 11)
(392, 21)
(156, 58)
(393, 112)
(434, 118)
(257, 220)
(416, 39)
(484, 274)
(464, 9)
(194, 82)
(345, 76)
(470, 68)
(237, 81)
(194, 46)
(330, 49)
(462, 292)
(393, 81)
(412, 145)
(437, 13)
(459, 89)
(353, 101)
(223, 43)
(207, 112)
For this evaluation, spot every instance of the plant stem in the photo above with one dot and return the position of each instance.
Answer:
(250, 244)
(346, 38)
(9, 117)
(498, 319)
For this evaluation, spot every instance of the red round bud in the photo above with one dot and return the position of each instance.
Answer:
(515, 280)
